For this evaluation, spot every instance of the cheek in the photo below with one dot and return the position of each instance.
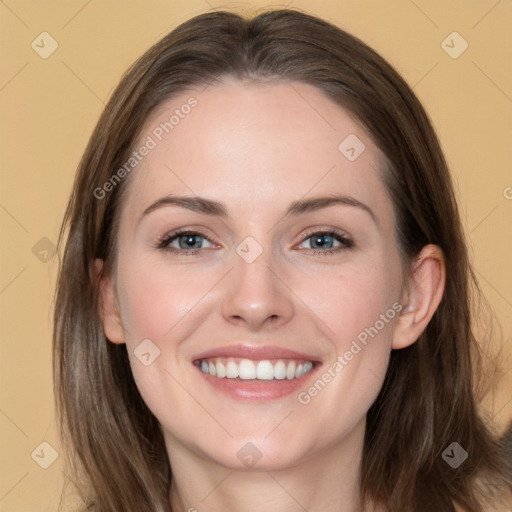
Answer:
(359, 301)
(165, 307)
(359, 306)
(153, 300)
(155, 305)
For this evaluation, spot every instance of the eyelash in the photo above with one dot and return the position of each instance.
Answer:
(340, 236)
(346, 243)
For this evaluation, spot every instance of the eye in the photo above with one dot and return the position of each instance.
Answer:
(185, 242)
(326, 242)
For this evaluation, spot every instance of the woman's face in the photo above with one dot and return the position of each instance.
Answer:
(288, 271)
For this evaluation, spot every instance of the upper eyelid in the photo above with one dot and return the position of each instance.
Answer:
(326, 231)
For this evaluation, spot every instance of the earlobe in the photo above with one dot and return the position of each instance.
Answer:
(108, 309)
(422, 296)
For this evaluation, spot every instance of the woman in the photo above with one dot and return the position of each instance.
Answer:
(264, 297)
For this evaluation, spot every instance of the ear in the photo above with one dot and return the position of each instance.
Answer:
(421, 297)
(109, 313)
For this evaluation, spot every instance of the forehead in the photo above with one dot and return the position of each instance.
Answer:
(238, 141)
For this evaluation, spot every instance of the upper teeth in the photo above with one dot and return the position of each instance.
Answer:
(261, 370)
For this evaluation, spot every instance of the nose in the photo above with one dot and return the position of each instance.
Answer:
(256, 297)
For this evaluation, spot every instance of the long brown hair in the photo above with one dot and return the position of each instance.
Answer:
(117, 456)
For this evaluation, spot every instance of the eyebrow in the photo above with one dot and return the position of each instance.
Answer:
(196, 204)
(317, 203)
(301, 206)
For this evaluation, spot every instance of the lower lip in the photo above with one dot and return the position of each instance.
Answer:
(258, 390)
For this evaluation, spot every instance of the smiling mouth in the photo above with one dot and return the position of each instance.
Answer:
(260, 370)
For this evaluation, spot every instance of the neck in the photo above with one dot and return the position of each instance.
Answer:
(327, 481)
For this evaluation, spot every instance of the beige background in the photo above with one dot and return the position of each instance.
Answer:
(48, 110)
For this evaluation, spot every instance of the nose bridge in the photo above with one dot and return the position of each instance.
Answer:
(256, 278)
(254, 293)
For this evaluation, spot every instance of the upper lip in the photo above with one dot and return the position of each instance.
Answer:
(256, 353)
